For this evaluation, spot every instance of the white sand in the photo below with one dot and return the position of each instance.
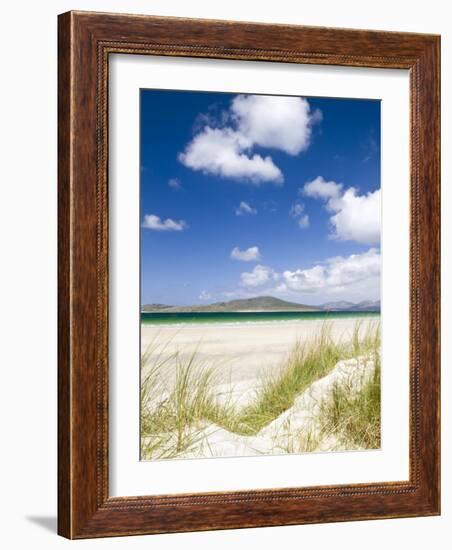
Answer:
(241, 351)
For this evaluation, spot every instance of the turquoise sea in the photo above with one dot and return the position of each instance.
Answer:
(247, 316)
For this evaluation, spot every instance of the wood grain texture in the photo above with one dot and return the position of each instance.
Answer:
(85, 42)
(64, 295)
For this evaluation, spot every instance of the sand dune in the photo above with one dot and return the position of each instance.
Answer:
(287, 433)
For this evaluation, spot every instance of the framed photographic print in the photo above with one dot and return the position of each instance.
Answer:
(248, 275)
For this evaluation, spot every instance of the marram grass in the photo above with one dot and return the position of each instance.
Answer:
(354, 418)
(173, 418)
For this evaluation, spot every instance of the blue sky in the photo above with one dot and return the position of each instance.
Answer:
(245, 195)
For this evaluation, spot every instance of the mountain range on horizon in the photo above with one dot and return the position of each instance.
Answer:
(262, 304)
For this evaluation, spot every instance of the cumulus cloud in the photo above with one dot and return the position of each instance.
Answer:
(224, 152)
(151, 221)
(355, 277)
(296, 211)
(277, 122)
(225, 147)
(321, 189)
(205, 295)
(357, 217)
(260, 276)
(304, 280)
(244, 208)
(174, 183)
(251, 254)
(354, 217)
(338, 274)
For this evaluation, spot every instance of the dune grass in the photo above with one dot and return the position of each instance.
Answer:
(306, 363)
(354, 418)
(173, 416)
(168, 415)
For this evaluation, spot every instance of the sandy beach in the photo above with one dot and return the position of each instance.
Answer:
(241, 351)
(245, 357)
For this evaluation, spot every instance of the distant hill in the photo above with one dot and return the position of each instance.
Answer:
(264, 303)
(154, 307)
(261, 303)
(366, 305)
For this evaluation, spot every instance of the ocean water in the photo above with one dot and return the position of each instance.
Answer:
(157, 318)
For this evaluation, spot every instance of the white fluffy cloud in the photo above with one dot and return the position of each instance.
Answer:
(283, 123)
(260, 276)
(151, 221)
(354, 217)
(321, 189)
(355, 278)
(357, 217)
(224, 152)
(277, 122)
(251, 254)
(304, 280)
(244, 208)
(360, 272)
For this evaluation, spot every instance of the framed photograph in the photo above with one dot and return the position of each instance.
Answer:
(248, 275)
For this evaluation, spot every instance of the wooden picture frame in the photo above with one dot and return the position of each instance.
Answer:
(86, 40)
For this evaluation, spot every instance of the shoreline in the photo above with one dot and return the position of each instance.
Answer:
(186, 321)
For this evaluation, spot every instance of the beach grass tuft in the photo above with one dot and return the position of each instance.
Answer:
(167, 424)
(354, 418)
(306, 363)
